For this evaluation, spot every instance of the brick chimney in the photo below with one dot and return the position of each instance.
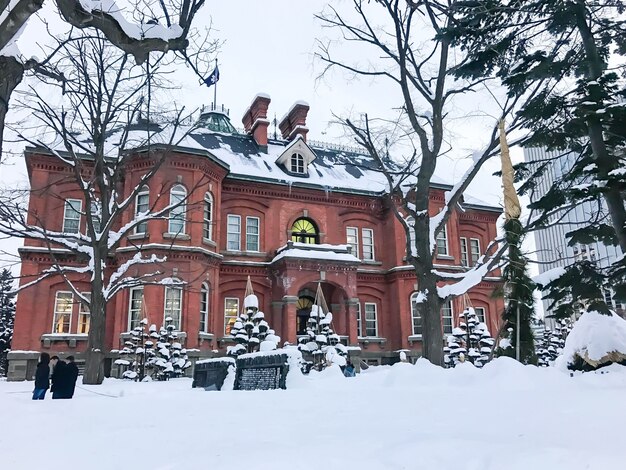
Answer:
(294, 122)
(255, 119)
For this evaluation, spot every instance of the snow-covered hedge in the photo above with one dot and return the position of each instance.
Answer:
(595, 340)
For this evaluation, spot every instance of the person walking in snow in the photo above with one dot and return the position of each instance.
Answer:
(59, 378)
(72, 376)
(42, 377)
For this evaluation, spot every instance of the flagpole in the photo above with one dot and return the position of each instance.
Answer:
(215, 89)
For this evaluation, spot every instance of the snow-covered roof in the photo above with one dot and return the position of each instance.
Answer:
(334, 168)
(317, 252)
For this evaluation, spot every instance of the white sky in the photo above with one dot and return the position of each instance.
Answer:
(269, 47)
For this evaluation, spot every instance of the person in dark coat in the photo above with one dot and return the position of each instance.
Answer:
(72, 376)
(60, 378)
(42, 377)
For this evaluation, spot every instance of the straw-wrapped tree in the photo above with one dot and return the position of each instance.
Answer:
(251, 331)
(321, 341)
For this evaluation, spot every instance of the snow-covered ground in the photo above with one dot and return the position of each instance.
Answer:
(506, 416)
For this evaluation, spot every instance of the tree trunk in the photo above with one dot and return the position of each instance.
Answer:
(430, 308)
(11, 72)
(94, 365)
(604, 161)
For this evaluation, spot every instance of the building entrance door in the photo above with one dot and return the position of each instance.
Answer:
(303, 312)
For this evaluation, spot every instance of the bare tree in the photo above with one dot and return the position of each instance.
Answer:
(103, 121)
(406, 48)
(160, 26)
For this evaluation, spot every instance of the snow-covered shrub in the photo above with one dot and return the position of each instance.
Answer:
(550, 346)
(596, 340)
(470, 341)
(251, 330)
(321, 342)
(155, 354)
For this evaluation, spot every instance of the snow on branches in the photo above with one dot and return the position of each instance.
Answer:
(153, 354)
(470, 341)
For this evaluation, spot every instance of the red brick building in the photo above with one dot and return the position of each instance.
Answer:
(286, 212)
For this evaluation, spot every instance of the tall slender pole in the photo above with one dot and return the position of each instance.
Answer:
(517, 335)
(215, 89)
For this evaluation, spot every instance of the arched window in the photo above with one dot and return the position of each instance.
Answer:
(415, 315)
(173, 307)
(297, 163)
(178, 194)
(304, 231)
(208, 217)
(142, 206)
(411, 223)
(204, 308)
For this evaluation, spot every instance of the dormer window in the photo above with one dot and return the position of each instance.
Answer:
(297, 163)
(296, 158)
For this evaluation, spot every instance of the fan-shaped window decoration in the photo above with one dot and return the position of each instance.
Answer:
(304, 231)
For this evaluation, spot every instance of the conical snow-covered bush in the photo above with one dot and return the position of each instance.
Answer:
(155, 354)
(251, 331)
(321, 342)
(469, 341)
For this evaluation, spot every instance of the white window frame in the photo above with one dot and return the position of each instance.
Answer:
(372, 255)
(471, 252)
(131, 309)
(57, 313)
(229, 233)
(96, 207)
(359, 320)
(168, 311)
(204, 308)
(375, 320)
(411, 224)
(464, 252)
(450, 316)
(178, 214)
(84, 311)
(297, 164)
(207, 231)
(483, 314)
(415, 315)
(227, 317)
(355, 239)
(442, 235)
(75, 205)
(255, 235)
(142, 227)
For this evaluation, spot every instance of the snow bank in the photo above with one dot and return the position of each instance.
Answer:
(596, 338)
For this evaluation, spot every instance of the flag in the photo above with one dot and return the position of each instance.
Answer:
(213, 78)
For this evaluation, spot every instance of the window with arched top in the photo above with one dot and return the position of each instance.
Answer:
(204, 308)
(415, 314)
(173, 307)
(304, 231)
(178, 195)
(208, 217)
(297, 163)
(142, 206)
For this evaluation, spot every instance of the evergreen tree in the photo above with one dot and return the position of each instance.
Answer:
(7, 317)
(251, 331)
(321, 341)
(155, 354)
(519, 298)
(562, 48)
(470, 341)
(552, 343)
